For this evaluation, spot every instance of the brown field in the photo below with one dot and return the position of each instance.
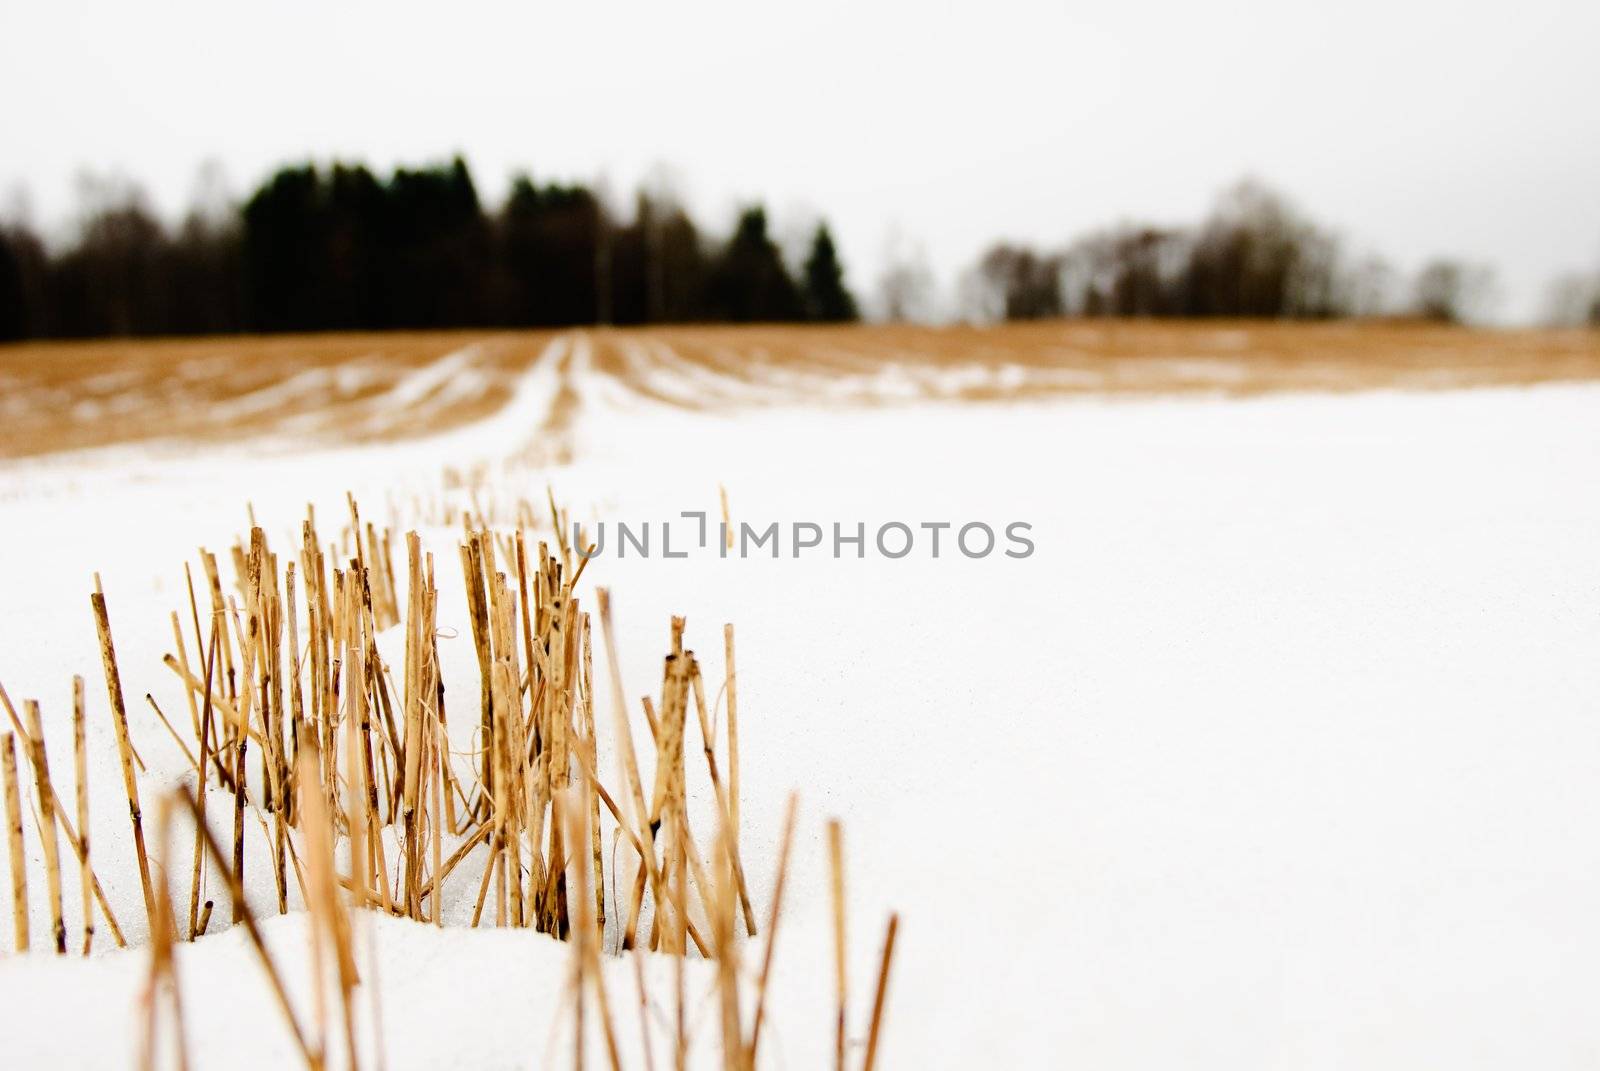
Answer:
(372, 387)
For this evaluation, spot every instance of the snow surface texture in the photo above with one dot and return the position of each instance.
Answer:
(1280, 751)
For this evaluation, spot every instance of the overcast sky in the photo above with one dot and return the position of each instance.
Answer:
(1413, 128)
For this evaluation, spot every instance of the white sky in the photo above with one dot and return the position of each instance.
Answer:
(1411, 127)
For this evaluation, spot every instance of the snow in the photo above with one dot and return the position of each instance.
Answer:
(1280, 750)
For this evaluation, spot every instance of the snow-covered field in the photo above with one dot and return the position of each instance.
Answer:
(1282, 748)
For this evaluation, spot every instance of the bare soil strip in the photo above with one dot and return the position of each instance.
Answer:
(374, 387)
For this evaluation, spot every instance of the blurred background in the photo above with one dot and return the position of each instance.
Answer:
(220, 167)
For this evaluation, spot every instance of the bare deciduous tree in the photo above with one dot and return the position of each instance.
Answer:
(906, 290)
(1451, 291)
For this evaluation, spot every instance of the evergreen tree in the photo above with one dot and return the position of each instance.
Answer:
(312, 257)
(435, 248)
(657, 266)
(13, 297)
(549, 239)
(749, 282)
(826, 296)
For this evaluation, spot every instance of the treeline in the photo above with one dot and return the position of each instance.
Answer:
(337, 248)
(341, 248)
(1255, 255)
